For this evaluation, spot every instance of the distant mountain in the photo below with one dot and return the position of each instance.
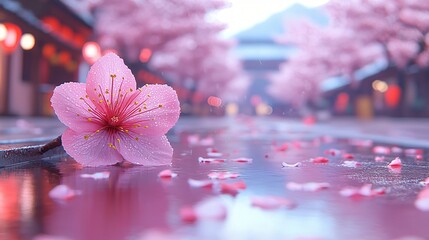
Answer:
(275, 25)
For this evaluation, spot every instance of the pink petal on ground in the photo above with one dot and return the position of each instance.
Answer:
(71, 110)
(422, 201)
(309, 187)
(222, 175)
(364, 191)
(319, 160)
(96, 176)
(160, 113)
(297, 164)
(281, 148)
(211, 160)
(200, 183)
(167, 173)
(193, 139)
(63, 192)
(413, 151)
(379, 158)
(242, 160)
(381, 150)
(90, 151)
(396, 150)
(395, 163)
(424, 182)
(232, 188)
(348, 156)
(333, 152)
(99, 76)
(271, 202)
(147, 151)
(351, 164)
(419, 157)
(188, 214)
(207, 141)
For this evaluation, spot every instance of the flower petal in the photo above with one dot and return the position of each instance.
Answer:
(99, 78)
(71, 109)
(147, 151)
(63, 192)
(90, 151)
(154, 110)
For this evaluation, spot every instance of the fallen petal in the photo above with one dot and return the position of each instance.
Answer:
(188, 214)
(348, 156)
(419, 157)
(422, 201)
(167, 174)
(211, 160)
(364, 191)
(63, 192)
(379, 158)
(396, 150)
(381, 150)
(271, 202)
(351, 164)
(232, 188)
(395, 163)
(319, 160)
(222, 175)
(413, 151)
(285, 164)
(309, 187)
(333, 152)
(200, 183)
(96, 176)
(242, 160)
(281, 148)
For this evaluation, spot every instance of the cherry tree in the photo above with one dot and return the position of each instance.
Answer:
(360, 32)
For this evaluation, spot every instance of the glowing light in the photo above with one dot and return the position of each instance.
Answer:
(380, 86)
(145, 55)
(91, 52)
(214, 101)
(11, 38)
(27, 41)
(48, 50)
(231, 109)
(3, 32)
(263, 109)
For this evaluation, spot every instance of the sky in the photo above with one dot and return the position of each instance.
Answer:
(243, 14)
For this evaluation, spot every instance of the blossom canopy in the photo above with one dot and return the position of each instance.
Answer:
(110, 121)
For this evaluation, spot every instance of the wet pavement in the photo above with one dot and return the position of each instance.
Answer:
(134, 203)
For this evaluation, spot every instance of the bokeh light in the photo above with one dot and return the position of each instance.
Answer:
(27, 41)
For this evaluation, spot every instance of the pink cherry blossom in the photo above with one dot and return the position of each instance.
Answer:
(319, 160)
(110, 121)
(351, 164)
(364, 191)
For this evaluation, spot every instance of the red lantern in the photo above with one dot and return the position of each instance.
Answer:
(11, 38)
(392, 96)
(52, 24)
(48, 50)
(342, 102)
(145, 55)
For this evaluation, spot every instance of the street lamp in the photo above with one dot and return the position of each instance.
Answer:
(27, 41)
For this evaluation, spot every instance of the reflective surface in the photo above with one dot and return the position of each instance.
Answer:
(133, 203)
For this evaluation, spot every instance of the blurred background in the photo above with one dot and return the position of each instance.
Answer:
(312, 59)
